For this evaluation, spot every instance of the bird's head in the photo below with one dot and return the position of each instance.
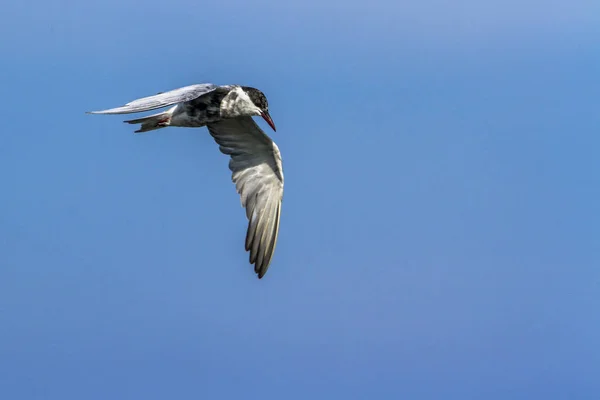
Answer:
(260, 101)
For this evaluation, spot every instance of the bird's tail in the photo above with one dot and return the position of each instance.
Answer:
(155, 121)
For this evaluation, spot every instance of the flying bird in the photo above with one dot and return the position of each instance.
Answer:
(255, 162)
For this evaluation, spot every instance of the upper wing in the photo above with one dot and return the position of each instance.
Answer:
(258, 176)
(163, 99)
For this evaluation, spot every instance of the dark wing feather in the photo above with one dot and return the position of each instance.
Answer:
(258, 175)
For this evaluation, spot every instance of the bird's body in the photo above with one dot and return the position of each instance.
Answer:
(255, 159)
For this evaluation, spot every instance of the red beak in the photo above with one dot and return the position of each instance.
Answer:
(267, 117)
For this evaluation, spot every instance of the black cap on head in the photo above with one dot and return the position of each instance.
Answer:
(258, 98)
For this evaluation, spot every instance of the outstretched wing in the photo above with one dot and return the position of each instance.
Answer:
(160, 100)
(258, 175)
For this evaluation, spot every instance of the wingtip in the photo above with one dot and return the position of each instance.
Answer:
(261, 271)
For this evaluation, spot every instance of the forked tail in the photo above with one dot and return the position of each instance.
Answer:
(155, 121)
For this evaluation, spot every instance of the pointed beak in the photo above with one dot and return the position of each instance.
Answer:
(267, 117)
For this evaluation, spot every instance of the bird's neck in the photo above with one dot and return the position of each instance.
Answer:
(237, 103)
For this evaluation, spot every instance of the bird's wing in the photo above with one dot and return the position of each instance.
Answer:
(160, 100)
(258, 176)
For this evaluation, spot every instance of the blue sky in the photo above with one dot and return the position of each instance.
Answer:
(440, 232)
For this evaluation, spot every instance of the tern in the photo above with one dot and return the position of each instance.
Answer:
(255, 163)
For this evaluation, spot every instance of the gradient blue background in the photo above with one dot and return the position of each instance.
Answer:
(440, 235)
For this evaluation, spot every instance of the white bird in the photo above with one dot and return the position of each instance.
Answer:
(255, 162)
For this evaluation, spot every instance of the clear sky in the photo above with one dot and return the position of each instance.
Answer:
(440, 232)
